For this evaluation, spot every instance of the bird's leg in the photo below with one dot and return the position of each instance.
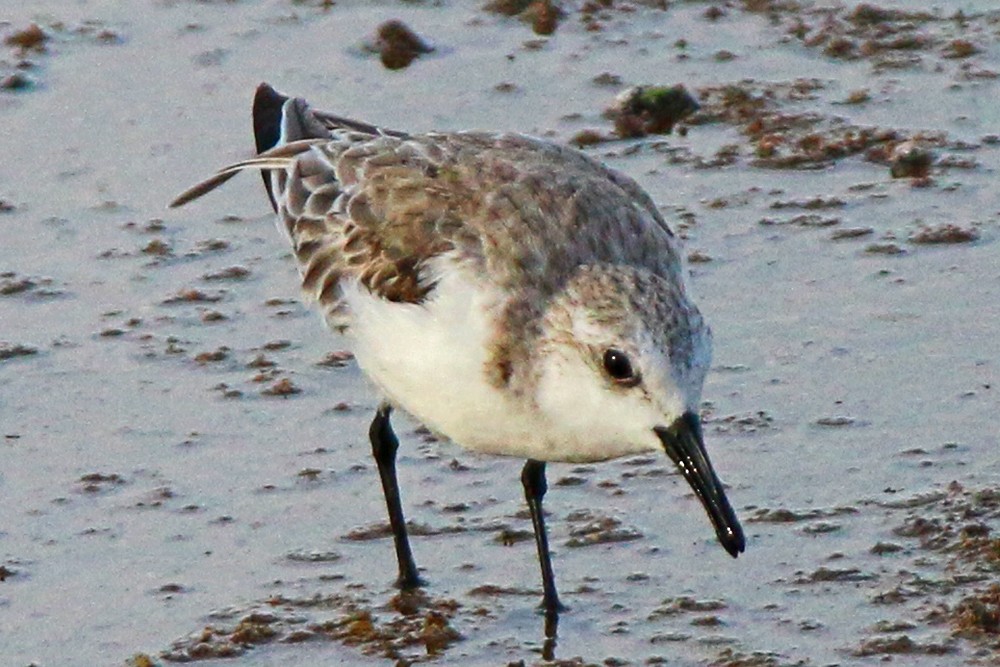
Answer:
(384, 446)
(533, 479)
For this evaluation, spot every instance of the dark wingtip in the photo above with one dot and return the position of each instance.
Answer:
(267, 105)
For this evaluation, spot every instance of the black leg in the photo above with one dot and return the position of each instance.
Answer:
(384, 446)
(533, 479)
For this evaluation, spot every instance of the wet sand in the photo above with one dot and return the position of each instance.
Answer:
(185, 471)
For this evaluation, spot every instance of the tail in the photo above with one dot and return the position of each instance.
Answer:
(283, 128)
(279, 120)
(279, 157)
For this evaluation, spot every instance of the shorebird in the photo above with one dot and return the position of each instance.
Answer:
(514, 295)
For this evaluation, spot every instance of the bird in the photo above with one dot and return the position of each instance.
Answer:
(514, 295)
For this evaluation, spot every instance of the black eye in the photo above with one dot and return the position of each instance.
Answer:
(618, 367)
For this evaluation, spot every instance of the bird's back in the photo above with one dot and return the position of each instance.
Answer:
(377, 206)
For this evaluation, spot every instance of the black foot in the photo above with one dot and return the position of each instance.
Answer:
(410, 582)
(552, 610)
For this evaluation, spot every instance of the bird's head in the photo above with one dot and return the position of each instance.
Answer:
(622, 361)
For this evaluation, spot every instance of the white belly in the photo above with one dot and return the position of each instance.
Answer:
(430, 360)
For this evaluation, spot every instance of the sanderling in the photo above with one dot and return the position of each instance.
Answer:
(514, 295)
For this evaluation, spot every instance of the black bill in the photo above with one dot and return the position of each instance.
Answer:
(686, 448)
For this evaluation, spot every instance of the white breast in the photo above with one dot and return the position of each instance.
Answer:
(430, 359)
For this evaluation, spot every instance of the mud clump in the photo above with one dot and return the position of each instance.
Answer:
(730, 658)
(947, 233)
(585, 138)
(643, 110)
(869, 15)
(804, 220)
(97, 482)
(336, 359)
(410, 628)
(397, 45)
(782, 515)
(14, 350)
(685, 605)
(828, 575)
(507, 7)
(593, 529)
(698, 257)
(226, 642)
(436, 634)
(887, 248)
(191, 296)
(784, 139)
(813, 204)
(255, 629)
(11, 285)
(978, 615)
(16, 81)
(956, 525)
(910, 160)
(870, 32)
(882, 548)
(282, 388)
(900, 645)
(32, 38)
(421, 622)
(960, 48)
(157, 248)
(213, 356)
(745, 423)
(851, 233)
(229, 273)
(510, 536)
(543, 15)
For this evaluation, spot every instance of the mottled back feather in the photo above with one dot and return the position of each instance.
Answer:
(377, 206)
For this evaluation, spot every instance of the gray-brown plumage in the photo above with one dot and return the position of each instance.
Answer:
(377, 206)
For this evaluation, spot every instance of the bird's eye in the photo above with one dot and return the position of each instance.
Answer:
(619, 368)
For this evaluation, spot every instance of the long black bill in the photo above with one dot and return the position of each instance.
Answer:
(686, 448)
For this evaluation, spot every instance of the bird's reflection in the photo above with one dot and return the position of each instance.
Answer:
(551, 629)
